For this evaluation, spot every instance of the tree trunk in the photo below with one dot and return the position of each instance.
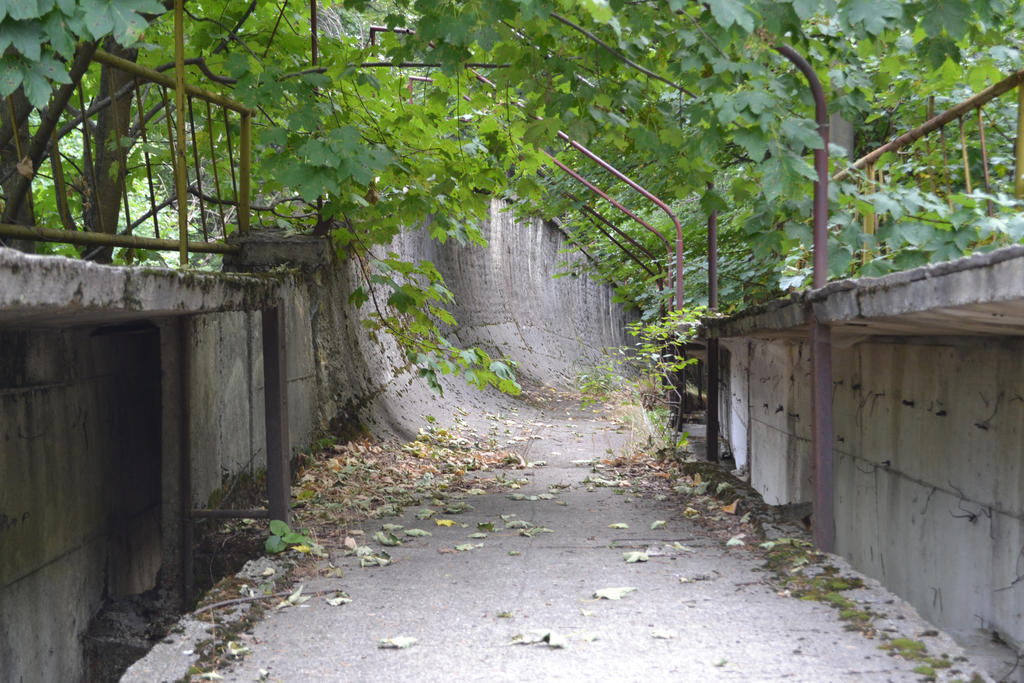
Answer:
(106, 177)
(9, 159)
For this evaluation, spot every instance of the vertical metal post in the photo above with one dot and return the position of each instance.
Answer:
(984, 158)
(1018, 182)
(275, 397)
(963, 154)
(185, 434)
(245, 152)
(180, 172)
(314, 50)
(712, 425)
(821, 346)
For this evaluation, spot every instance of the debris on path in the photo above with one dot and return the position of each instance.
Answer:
(549, 529)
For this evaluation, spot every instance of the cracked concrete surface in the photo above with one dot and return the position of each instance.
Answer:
(701, 610)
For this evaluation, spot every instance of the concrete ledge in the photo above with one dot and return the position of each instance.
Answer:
(52, 291)
(975, 295)
(266, 249)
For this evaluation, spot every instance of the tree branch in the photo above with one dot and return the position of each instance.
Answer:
(618, 55)
(48, 121)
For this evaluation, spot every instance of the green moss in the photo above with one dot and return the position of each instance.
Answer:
(857, 616)
(911, 649)
(925, 670)
(938, 662)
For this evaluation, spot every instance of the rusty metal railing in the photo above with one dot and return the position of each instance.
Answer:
(936, 167)
(177, 155)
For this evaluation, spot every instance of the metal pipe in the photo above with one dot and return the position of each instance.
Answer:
(40, 234)
(244, 172)
(180, 172)
(275, 404)
(712, 419)
(185, 435)
(649, 195)
(625, 235)
(629, 181)
(984, 160)
(966, 160)
(596, 190)
(156, 77)
(1009, 83)
(374, 30)
(621, 247)
(1018, 181)
(230, 514)
(821, 346)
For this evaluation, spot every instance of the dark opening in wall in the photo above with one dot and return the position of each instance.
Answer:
(125, 627)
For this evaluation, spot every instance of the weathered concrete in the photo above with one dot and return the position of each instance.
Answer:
(46, 291)
(65, 402)
(91, 401)
(80, 502)
(506, 303)
(700, 611)
(928, 385)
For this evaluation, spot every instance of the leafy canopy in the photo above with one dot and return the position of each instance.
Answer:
(690, 99)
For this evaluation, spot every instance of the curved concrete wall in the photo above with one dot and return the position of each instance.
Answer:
(507, 303)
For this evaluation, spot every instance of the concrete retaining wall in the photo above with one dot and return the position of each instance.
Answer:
(506, 303)
(111, 377)
(90, 476)
(928, 401)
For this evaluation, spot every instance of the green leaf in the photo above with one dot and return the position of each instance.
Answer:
(753, 140)
(98, 20)
(598, 9)
(37, 88)
(951, 16)
(23, 9)
(417, 532)
(127, 22)
(874, 15)
(396, 643)
(278, 528)
(26, 37)
(935, 50)
(10, 74)
(613, 593)
(805, 8)
(729, 12)
(387, 538)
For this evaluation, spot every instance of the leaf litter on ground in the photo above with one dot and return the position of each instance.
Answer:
(367, 478)
(613, 593)
(396, 643)
(540, 635)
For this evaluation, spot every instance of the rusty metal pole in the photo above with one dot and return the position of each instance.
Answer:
(184, 332)
(1018, 181)
(180, 171)
(711, 423)
(596, 190)
(275, 398)
(821, 341)
(650, 196)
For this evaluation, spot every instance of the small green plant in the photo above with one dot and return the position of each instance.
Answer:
(659, 342)
(598, 383)
(282, 537)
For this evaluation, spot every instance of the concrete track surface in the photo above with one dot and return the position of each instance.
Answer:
(700, 611)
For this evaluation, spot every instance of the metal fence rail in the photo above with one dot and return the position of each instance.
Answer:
(181, 157)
